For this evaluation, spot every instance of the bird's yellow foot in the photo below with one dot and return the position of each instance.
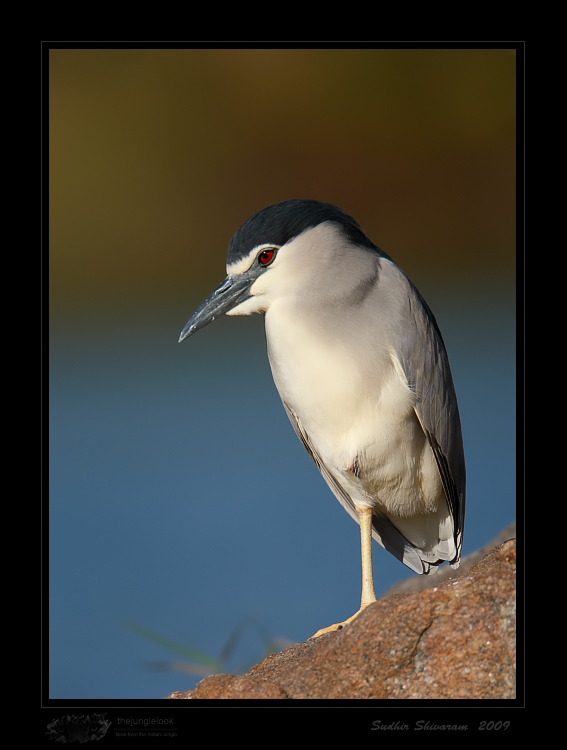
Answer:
(339, 625)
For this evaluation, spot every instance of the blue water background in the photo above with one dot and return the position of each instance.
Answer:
(182, 502)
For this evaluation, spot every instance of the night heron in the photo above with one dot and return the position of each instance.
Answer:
(362, 371)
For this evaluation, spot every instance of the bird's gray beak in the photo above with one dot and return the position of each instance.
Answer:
(232, 291)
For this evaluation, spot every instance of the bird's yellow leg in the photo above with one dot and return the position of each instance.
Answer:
(368, 593)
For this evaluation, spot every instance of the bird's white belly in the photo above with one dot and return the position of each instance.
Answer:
(362, 425)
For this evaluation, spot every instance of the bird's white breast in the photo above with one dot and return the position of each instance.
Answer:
(359, 419)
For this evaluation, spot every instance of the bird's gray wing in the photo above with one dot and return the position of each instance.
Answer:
(423, 357)
(383, 531)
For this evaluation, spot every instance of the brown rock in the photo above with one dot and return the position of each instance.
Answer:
(417, 583)
(453, 641)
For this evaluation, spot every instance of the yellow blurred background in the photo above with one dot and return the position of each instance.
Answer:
(158, 155)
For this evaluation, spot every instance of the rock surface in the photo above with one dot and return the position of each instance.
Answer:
(415, 583)
(455, 640)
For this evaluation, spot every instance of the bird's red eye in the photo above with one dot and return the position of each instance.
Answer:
(266, 256)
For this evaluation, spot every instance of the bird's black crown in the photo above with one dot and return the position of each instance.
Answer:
(282, 222)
